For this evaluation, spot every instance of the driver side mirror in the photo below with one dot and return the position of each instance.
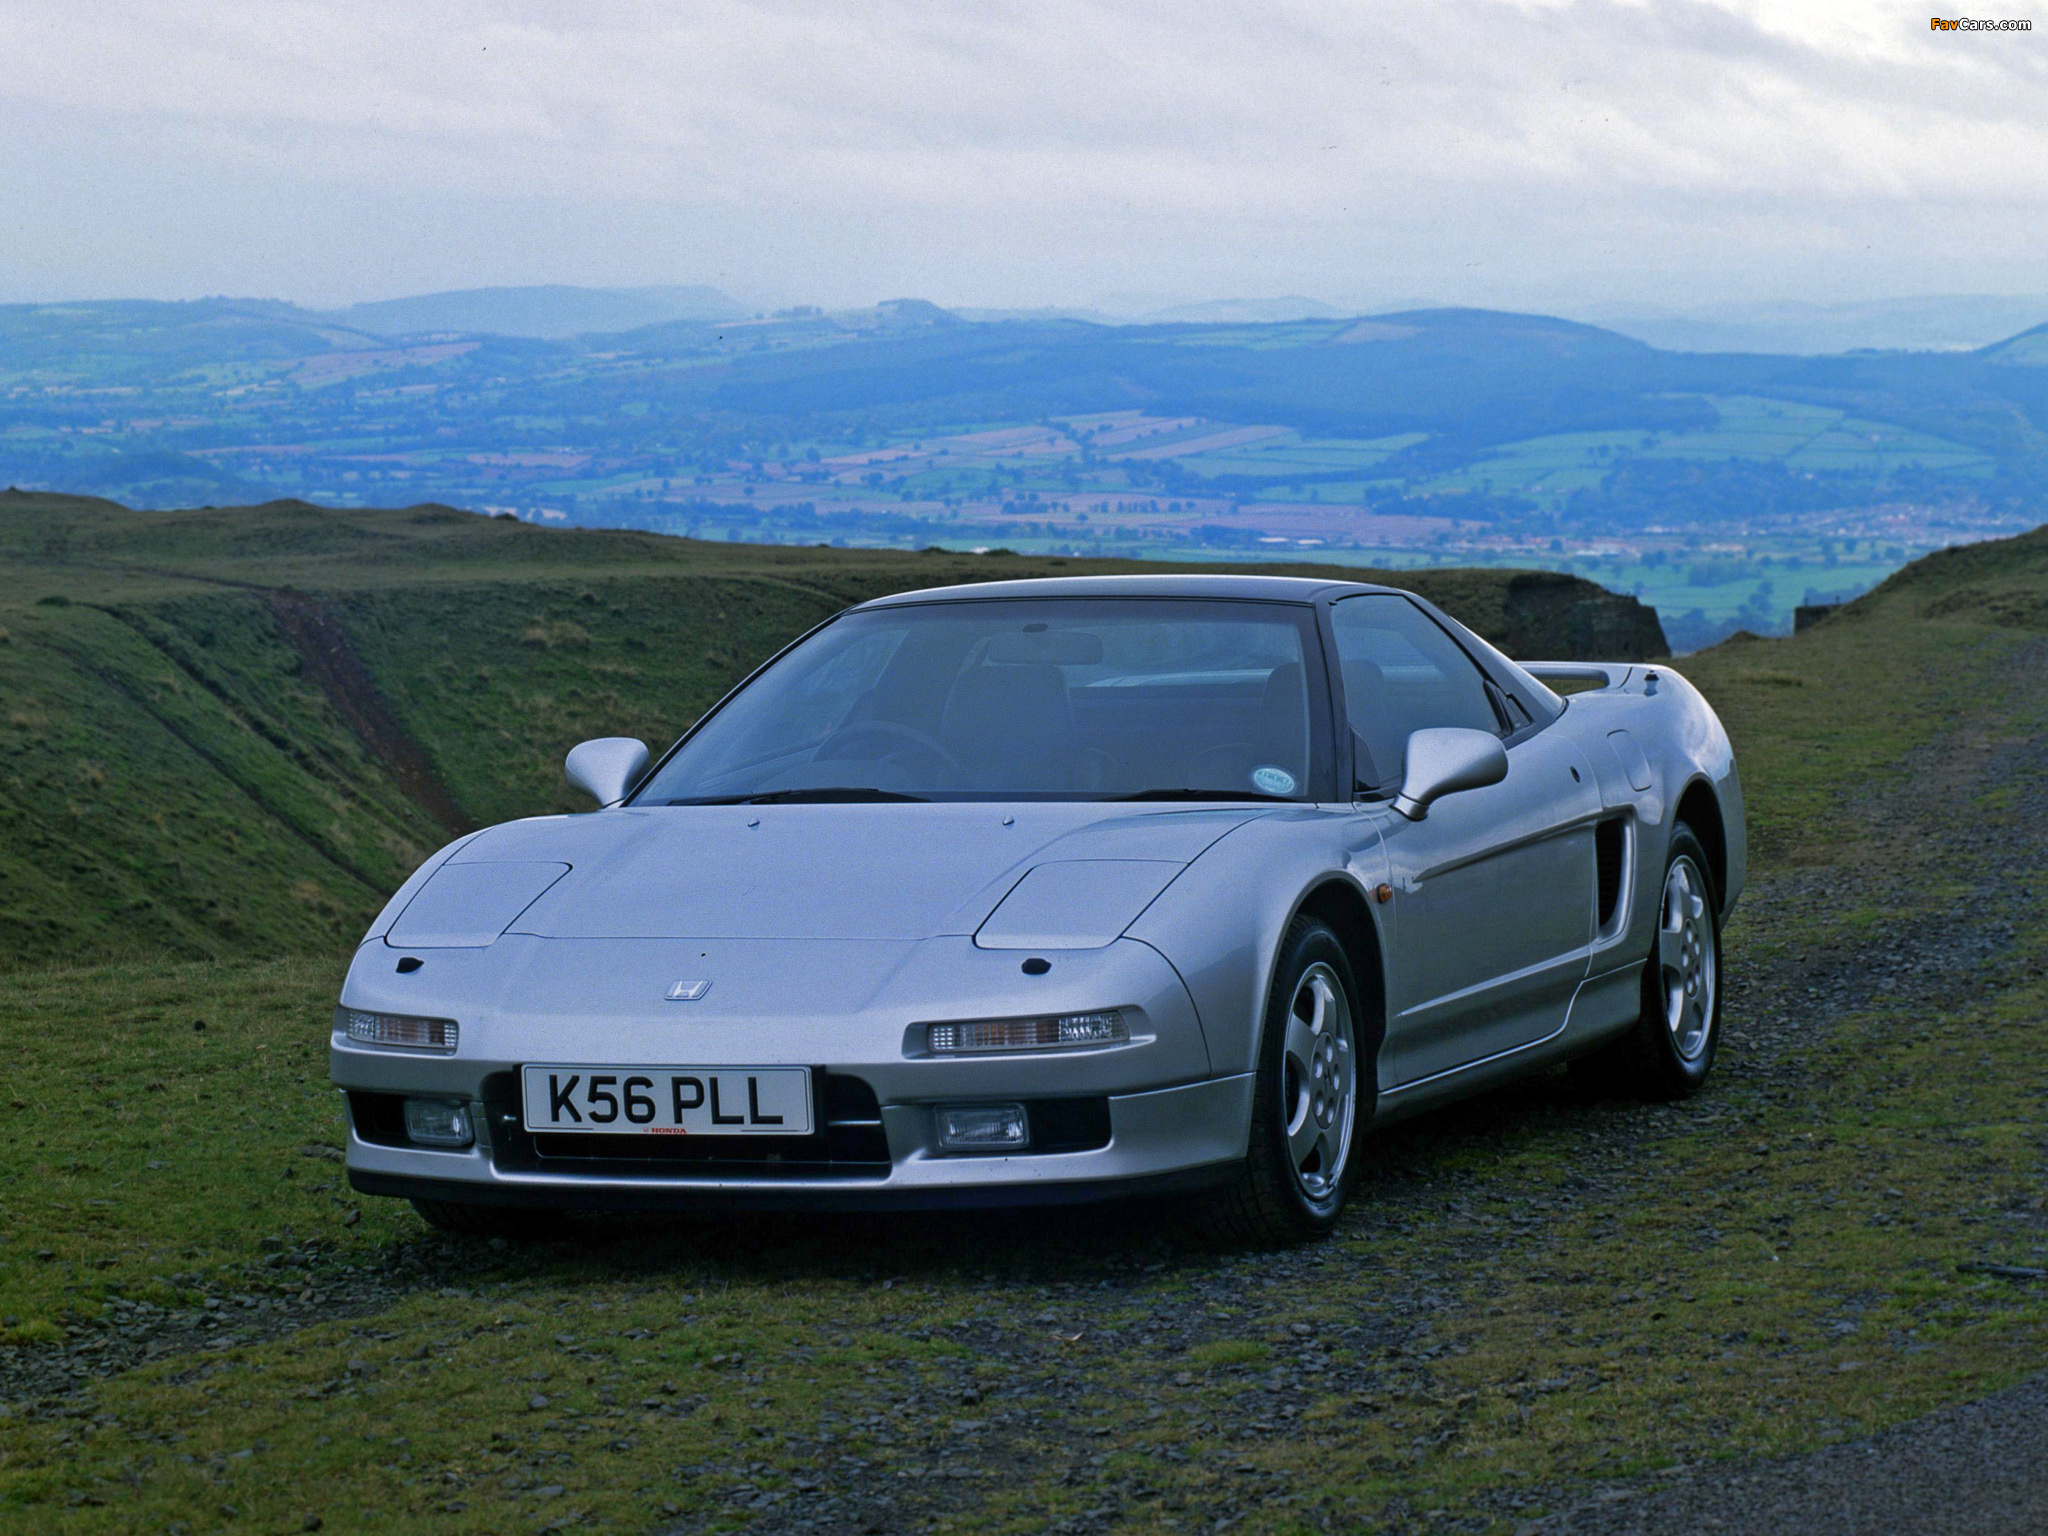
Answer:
(1443, 760)
(606, 768)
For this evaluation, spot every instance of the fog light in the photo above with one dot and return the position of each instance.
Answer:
(981, 1036)
(983, 1127)
(396, 1029)
(437, 1123)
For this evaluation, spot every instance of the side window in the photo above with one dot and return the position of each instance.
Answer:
(1402, 673)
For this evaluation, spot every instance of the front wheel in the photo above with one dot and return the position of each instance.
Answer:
(1668, 1051)
(1307, 1111)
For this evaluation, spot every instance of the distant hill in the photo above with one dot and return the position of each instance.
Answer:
(1043, 312)
(117, 340)
(2029, 349)
(1244, 312)
(1205, 312)
(1957, 322)
(1465, 379)
(161, 478)
(234, 732)
(551, 312)
(1469, 375)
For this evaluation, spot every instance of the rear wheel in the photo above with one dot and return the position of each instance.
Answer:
(1669, 1050)
(1306, 1109)
(506, 1221)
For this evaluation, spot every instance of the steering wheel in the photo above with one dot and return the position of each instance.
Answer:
(906, 733)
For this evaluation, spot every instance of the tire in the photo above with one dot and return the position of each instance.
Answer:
(506, 1221)
(1302, 1155)
(1669, 1050)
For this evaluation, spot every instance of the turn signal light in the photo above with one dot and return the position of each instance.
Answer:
(982, 1036)
(398, 1030)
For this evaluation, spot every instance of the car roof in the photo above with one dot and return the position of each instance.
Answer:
(1283, 589)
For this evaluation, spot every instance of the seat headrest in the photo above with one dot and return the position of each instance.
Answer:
(1283, 716)
(1011, 726)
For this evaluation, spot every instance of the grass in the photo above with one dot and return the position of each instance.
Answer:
(1290, 454)
(1228, 1352)
(1799, 436)
(1795, 1277)
(168, 780)
(1537, 1293)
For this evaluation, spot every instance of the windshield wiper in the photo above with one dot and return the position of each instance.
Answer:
(827, 795)
(1204, 794)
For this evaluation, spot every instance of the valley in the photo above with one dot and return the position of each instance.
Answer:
(1723, 489)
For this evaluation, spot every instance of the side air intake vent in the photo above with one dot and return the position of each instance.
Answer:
(1609, 847)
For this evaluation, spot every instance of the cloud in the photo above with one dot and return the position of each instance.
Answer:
(1368, 136)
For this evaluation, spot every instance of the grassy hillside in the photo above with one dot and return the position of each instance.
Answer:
(233, 732)
(2003, 583)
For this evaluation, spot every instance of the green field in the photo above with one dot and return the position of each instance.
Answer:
(1540, 1299)
(1290, 453)
(1802, 437)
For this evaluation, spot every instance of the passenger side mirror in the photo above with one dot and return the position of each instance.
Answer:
(606, 768)
(1443, 760)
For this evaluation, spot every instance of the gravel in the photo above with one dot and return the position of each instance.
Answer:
(1970, 1470)
(292, 1289)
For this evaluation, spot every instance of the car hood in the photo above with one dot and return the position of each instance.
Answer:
(866, 871)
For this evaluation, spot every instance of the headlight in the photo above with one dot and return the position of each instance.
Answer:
(397, 1029)
(983, 1036)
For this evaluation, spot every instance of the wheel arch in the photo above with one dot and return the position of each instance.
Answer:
(1700, 808)
(1343, 908)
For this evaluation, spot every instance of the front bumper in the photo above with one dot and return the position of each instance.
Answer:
(1142, 1115)
(1159, 1141)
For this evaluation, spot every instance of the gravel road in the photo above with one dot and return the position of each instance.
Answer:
(1975, 1468)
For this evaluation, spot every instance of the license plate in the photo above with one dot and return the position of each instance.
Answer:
(669, 1101)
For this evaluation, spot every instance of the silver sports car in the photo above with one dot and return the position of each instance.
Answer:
(1053, 891)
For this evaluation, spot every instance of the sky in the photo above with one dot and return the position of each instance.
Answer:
(1668, 152)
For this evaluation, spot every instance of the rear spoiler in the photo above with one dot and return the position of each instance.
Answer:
(1588, 674)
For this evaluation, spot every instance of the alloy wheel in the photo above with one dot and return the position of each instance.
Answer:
(1686, 959)
(1319, 1083)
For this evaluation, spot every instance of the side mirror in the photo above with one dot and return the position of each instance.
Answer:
(1443, 760)
(606, 768)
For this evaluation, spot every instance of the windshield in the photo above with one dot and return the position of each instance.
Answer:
(1019, 699)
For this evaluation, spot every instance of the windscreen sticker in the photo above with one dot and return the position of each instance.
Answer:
(1273, 781)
